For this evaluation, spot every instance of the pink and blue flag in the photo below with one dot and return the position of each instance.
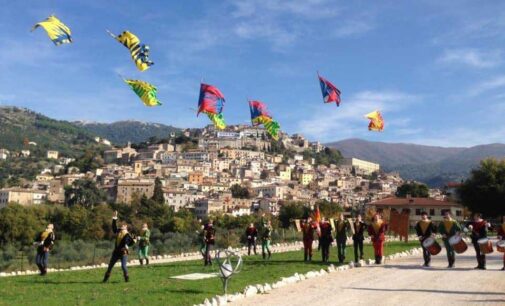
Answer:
(258, 110)
(330, 92)
(211, 100)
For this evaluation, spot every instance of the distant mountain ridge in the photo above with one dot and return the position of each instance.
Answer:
(430, 164)
(21, 128)
(121, 132)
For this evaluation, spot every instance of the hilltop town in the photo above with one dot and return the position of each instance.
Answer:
(237, 171)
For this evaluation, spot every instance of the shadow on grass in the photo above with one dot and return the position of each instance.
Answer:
(426, 291)
(59, 282)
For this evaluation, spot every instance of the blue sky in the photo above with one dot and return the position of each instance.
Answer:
(434, 68)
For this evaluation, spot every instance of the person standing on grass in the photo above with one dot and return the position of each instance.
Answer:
(308, 229)
(44, 244)
(341, 229)
(424, 230)
(447, 229)
(209, 236)
(326, 239)
(358, 237)
(501, 236)
(123, 241)
(266, 238)
(144, 243)
(377, 231)
(252, 235)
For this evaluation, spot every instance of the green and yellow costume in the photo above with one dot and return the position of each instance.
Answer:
(447, 229)
(144, 246)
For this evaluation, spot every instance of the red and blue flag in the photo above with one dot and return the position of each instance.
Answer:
(211, 100)
(258, 110)
(330, 92)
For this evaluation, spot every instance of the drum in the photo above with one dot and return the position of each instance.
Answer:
(485, 246)
(432, 246)
(458, 244)
(500, 246)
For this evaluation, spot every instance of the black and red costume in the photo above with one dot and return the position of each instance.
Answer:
(308, 229)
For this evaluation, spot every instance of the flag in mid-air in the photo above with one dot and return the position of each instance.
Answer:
(330, 92)
(139, 52)
(376, 121)
(211, 102)
(57, 31)
(146, 92)
(260, 115)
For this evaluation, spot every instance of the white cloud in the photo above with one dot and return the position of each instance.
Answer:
(348, 120)
(354, 27)
(463, 137)
(471, 57)
(489, 85)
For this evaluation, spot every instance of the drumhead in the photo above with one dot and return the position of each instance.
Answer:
(428, 241)
(483, 241)
(454, 239)
(501, 243)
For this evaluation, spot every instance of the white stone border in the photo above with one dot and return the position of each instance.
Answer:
(252, 290)
(159, 259)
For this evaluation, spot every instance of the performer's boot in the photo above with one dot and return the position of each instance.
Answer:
(269, 254)
(483, 262)
(106, 277)
(147, 261)
(141, 262)
(264, 255)
(451, 262)
(376, 259)
(126, 277)
(310, 257)
(304, 256)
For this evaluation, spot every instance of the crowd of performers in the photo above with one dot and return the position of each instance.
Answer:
(324, 232)
(451, 231)
(452, 236)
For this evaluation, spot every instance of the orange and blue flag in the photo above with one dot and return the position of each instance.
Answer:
(330, 92)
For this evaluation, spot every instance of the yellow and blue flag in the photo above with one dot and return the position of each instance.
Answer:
(139, 53)
(57, 31)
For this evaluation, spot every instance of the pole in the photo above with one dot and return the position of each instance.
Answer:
(94, 254)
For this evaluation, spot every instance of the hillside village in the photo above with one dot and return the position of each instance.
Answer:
(237, 171)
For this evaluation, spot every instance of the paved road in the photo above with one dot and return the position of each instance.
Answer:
(400, 282)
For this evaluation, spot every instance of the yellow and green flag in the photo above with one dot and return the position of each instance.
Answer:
(146, 92)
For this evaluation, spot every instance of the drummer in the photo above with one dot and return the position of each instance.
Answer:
(501, 236)
(448, 228)
(425, 229)
(479, 230)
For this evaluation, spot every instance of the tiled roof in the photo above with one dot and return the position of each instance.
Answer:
(394, 201)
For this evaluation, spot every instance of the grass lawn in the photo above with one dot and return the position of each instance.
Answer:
(152, 285)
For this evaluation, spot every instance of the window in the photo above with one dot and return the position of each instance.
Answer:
(459, 213)
(418, 212)
(432, 211)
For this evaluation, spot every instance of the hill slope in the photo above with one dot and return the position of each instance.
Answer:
(121, 132)
(18, 125)
(432, 165)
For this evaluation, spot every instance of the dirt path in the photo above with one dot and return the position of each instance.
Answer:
(400, 282)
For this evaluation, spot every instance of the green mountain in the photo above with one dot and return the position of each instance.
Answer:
(432, 165)
(21, 128)
(120, 132)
